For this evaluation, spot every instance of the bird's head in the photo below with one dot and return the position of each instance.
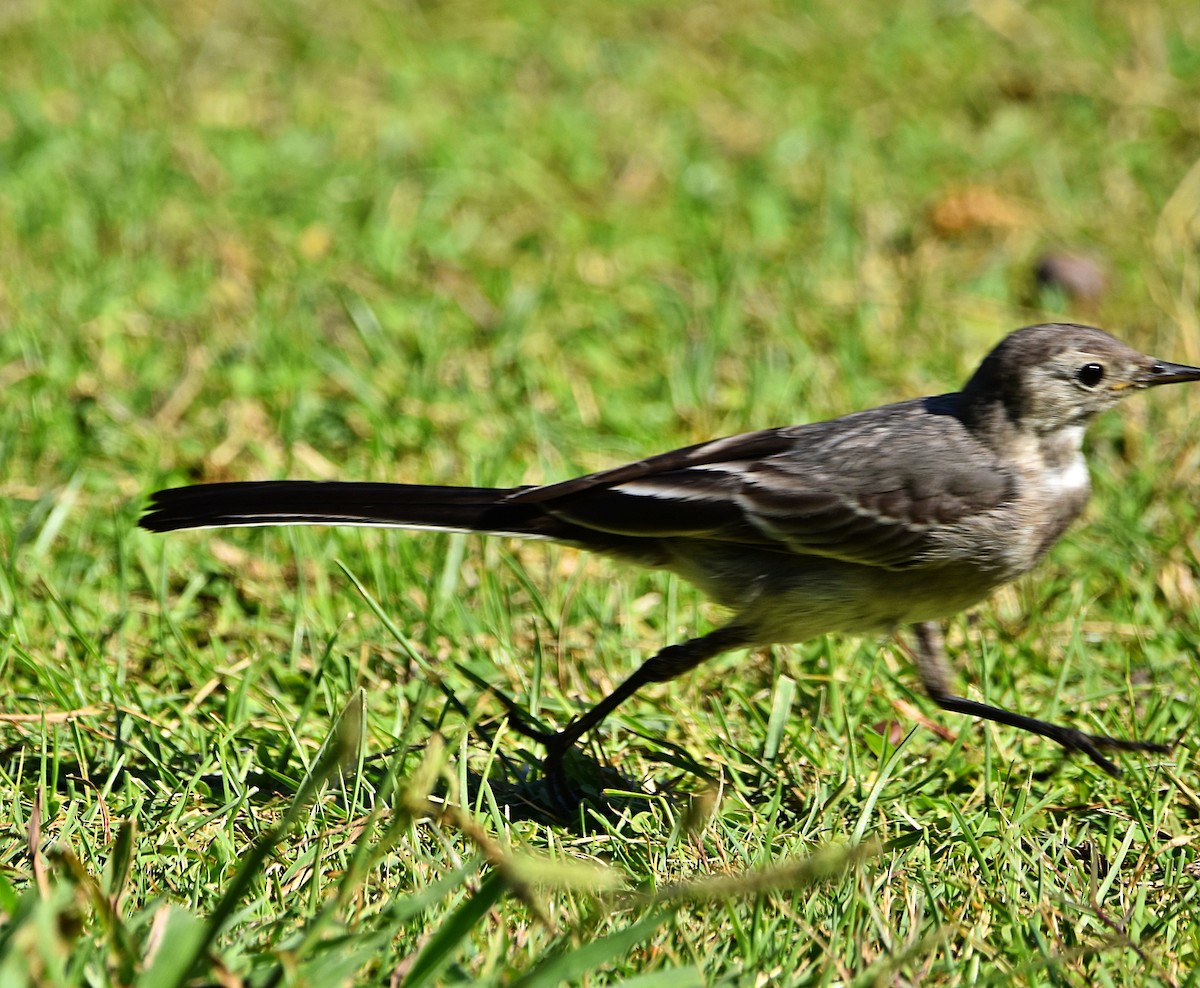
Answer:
(1061, 375)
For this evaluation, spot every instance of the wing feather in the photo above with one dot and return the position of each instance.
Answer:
(881, 488)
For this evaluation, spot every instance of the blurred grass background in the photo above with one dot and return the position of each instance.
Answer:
(503, 243)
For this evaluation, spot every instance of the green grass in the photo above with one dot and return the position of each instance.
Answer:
(489, 243)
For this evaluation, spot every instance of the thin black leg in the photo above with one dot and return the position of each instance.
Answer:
(672, 661)
(931, 664)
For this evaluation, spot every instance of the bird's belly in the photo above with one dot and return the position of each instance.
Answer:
(781, 597)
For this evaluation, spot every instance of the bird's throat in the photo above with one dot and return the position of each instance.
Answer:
(1064, 467)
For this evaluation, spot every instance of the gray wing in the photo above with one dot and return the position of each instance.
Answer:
(880, 488)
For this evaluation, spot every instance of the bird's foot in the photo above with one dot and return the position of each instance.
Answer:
(572, 782)
(1070, 738)
(1092, 744)
(569, 779)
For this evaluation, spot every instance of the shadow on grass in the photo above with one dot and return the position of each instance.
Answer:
(587, 794)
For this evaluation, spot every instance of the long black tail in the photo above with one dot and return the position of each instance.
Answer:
(299, 502)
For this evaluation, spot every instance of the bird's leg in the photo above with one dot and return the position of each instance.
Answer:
(931, 665)
(672, 661)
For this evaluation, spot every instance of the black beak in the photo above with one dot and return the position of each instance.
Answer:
(1162, 372)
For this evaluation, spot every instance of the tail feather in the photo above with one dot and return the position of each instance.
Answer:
(298, 502)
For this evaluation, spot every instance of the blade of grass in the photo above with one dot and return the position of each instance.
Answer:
(571, 964)
(440, 949)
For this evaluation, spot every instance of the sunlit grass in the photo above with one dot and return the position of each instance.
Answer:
(502, 244)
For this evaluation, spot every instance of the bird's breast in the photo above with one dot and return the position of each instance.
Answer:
(1055, 495)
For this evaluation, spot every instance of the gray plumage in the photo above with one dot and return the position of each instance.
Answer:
(899, 515)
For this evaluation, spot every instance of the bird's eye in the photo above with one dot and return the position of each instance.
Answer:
(1089, 375)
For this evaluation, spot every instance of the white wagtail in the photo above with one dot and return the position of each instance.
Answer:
(899, 515)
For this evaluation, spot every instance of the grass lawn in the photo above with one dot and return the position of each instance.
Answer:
(507, 243)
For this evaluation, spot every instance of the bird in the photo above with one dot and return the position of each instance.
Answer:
(895, 517)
